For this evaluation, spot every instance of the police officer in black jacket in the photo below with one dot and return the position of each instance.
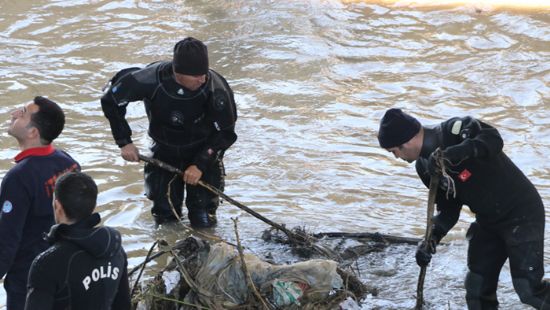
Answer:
(509, 212)
(192, 114)
(85, 267)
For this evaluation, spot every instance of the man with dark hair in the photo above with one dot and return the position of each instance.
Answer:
(85, 268)
(192, 116)
(49, 120)
(509, 212)
(26, 192)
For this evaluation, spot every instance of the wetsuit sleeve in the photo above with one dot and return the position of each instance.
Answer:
(222, 111)
(41, 286)
(15, 204)
(127, 89)
(473, 139)
(122, 299)
(448, 213)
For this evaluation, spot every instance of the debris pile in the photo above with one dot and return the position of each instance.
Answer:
(203, 275)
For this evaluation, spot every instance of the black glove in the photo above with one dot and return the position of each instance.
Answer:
(457, 153)
(424, 252)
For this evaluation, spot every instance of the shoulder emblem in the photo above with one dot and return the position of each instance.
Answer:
(220, 99)
(455, 130)
(7, 207)
(464, 175)
(115, 88)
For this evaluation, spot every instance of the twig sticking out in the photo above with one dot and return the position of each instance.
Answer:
(253, 293)
(141, 271)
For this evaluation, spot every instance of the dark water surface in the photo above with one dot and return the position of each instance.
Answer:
(311, 79)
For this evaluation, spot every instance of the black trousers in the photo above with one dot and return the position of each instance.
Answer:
(520, 240)
(159, 182)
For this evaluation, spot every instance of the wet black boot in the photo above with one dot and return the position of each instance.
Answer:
(212, 215)
(163, 218)
(200, 218)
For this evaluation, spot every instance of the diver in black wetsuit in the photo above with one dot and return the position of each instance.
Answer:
(192, 115)
(510, 215)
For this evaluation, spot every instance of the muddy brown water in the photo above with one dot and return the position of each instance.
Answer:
(311, 79)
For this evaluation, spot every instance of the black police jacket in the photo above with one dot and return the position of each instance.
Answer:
(85, 268)
(484, 178)
(201, 121)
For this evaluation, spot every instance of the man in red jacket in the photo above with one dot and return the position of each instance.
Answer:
(26, 192)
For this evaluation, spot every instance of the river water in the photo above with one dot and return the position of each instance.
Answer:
(312, 80)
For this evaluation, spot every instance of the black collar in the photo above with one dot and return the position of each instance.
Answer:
(61, 229)
(432, 140)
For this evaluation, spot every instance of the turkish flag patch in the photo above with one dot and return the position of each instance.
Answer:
(464, 175)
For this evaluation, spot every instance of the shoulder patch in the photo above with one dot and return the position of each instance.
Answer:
(455, 130)
(220, 99)
(7, 207)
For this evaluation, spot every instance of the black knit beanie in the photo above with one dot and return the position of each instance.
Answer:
(397, 128)
(190, 57)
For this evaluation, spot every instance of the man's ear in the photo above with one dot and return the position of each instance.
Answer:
(58, 211)
(33, 133)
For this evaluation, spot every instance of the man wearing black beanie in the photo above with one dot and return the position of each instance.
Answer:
(192, 114)
(510, 215)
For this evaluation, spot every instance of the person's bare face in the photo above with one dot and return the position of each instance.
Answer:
(21, 120)
(407, 151)
(191, 82)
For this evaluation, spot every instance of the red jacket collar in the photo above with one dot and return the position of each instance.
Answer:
(35, 151)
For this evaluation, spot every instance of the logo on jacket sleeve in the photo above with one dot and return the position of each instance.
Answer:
(7, 207)
(464, 175)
